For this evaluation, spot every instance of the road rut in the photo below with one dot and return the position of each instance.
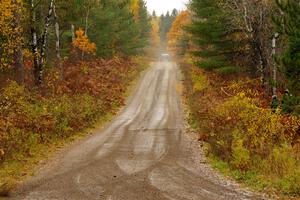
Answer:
(143, 154)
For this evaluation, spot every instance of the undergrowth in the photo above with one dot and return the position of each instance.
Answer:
(31, 119)
(245, 138)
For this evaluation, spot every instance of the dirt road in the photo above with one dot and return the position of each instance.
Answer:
(143, 154)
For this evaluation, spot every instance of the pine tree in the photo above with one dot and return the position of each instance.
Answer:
(210, 34)
(144, 24)
(115, 29)
(154, 14)
(174, 14)
(165, 24)
(290, 26)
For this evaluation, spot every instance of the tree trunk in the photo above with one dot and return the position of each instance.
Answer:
(18, 54)
(86, 27)
(87, 21)
(73, 32)
(274, 71)
(261, 70)
(262, 63)
(264, 71)
(44, 43)
(57, 43)
(35, 52)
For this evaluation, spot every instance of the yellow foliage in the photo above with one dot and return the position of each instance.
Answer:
(282, 160)
(260, 145)
(8, 31)
(240, 154)
(134, 7)
(155, 39)
(176, 33)
(259, 125)
(83, 44)
(199, 80)
(259, 131)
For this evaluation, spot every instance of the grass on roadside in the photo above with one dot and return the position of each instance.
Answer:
(244, 138)
(14, 171)
(44, 125)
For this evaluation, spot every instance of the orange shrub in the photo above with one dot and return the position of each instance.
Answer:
(83, 44)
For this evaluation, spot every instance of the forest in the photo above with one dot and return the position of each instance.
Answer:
(66, 66)
(241, 61)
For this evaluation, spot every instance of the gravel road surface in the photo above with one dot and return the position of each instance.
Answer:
(144, 154)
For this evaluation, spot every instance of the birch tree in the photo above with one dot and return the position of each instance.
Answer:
(88, 6)
(34, 40)
(251, 19)
(57, 42)
(39, 45)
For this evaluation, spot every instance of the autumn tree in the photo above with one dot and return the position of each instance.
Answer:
(155, 39)
(251, 21)
(142, 19)
(178, 38)
(82, 44)
(6, 31)
(135, 7)
(11, 40)
(48, 28)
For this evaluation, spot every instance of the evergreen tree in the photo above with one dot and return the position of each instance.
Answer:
(174, 14)
(114, 30)
(290, 26)
(154, 14)
(162, 28)
(144, 24)
(210, 34)
(165, 25)
(168, 22)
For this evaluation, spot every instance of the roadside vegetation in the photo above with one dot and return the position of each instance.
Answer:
(241, 64)
(65, 66)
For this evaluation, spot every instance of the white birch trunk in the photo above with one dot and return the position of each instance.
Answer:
(73, 32)
(35, 52)
(57, 43)
(87, 21)
(274, 74)
(86, 28)
(44, 42)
